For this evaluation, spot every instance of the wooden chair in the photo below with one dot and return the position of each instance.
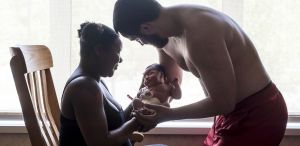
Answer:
(30, 65)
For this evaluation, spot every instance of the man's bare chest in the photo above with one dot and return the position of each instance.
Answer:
(179, 52)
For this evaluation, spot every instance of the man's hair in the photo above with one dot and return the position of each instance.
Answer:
(130, 14)
(94, 34)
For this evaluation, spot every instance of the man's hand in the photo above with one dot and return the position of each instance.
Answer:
(175, 89)
(150, 121)
(175, 83)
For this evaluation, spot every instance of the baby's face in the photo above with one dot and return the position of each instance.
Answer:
(153, 77)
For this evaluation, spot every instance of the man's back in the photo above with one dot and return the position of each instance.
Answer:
(204, 28)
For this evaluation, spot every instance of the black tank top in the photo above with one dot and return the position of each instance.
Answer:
(70, 134)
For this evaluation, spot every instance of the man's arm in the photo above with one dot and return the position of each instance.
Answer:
(173, 71)
(175, 89)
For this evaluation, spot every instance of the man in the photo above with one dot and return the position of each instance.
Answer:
(250, 109)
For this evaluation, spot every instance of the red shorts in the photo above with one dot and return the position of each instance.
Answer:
(259, 120)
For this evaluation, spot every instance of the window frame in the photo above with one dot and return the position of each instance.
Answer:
(12, 122)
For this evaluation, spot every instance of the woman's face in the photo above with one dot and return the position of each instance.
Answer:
(112, 58)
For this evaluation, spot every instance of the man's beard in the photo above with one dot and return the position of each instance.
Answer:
(155, 40)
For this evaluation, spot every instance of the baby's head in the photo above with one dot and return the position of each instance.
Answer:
(154, 74)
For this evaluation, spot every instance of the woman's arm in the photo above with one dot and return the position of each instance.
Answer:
(88, 106)
(129, 109)
(127, 112)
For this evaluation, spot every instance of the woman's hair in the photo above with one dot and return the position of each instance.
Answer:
(130, 14)
(95, 34)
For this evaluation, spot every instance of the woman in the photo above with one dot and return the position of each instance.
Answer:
(89, 114)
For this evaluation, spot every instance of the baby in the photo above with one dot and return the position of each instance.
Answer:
(155, 89)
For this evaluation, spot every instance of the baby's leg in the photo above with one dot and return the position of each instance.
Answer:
(137, 136)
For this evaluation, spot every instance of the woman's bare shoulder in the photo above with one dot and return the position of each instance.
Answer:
(83, 87)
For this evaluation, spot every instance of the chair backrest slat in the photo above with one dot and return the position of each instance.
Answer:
(52, 98)
(30, 66)
(47, 107)
(41, 110)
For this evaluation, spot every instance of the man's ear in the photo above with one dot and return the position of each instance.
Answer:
(147, 28)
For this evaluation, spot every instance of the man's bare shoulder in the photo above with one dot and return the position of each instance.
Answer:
(205, 34)
(203, 21)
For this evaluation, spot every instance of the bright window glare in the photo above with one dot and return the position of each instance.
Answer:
(136, 58)
(40, 22)
(277, 42)
(23, 22)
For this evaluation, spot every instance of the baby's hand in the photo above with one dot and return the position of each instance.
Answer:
(137, 104)
(175, 83)
(129, 97)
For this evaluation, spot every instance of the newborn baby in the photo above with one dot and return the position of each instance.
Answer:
(156, 88)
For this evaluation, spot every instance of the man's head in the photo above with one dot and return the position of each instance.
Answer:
(130, 18)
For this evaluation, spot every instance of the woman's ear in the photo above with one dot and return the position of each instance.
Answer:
(147, 28)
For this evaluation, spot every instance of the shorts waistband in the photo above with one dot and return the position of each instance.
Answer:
(266, 94)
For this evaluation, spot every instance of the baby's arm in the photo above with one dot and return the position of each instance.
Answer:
(175, 89)
(141, 93)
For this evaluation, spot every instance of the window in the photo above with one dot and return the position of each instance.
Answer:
(136, 58)
(270, 25)
(21, 20)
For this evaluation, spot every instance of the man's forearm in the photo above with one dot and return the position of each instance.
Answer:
(201, 109)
